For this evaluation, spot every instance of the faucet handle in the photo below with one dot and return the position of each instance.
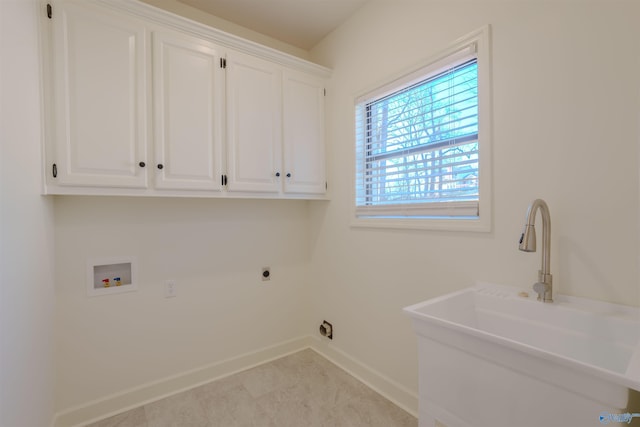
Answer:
(543, 290)
(540, 287)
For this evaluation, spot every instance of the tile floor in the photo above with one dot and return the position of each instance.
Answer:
(299, 390)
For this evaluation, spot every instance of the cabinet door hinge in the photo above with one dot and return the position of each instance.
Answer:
(223, 62)
(54, 170)
(49, 11)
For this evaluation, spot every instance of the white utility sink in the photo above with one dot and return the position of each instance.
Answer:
(490, 356)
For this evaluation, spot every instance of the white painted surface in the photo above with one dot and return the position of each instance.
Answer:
(557, 134)
(188, 84)
(303, 133)
(212, 249)
(101, 97)
(299, 23)
(254, 130)
(546, 58)
(163, 387)
(197, 15)
(26, 230)
(99, 105)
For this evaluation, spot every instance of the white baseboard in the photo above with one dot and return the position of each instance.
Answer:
(397, 393)
(156, 390)
(150, 392)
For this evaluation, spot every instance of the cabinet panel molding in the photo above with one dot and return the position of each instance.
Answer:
(304, 145)
(188, 101)
(141, 102)
(254, 133)
(101, 99)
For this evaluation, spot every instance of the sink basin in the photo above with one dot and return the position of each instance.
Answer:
(478, 342)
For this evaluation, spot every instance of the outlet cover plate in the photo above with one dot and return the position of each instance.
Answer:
(170, 289)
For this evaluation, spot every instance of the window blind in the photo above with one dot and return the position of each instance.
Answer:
(417, 145)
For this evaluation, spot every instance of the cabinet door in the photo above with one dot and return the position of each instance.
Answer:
(254, 134)
(188, 99)
(304, 145)
(100, 92)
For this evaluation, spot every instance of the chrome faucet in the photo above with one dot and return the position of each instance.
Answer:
(544, 285)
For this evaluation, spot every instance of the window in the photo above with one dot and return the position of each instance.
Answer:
(421, 143)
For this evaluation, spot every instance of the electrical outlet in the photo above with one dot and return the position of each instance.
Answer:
(266, 274)
(169, 289)
(326, 329)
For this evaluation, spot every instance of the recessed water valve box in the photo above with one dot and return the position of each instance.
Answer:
(111, 275)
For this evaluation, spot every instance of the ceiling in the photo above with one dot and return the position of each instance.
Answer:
(301, 23)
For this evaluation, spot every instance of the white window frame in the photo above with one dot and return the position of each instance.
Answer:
(478, 41)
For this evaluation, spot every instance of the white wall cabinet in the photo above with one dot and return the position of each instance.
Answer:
(100, 80)
(142, 102)
(303, 120)
(254, 117)
(188, 100)
(275, 125)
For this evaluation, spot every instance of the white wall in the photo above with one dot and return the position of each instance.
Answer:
(213, 249)
(558, 134)
(182, 9)
(565, 120)
(26, 230)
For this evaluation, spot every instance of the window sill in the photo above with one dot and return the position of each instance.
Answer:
(474, 224)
